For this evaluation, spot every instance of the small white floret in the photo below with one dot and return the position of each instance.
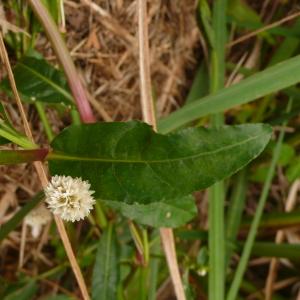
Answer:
(69, 198)
(38, 217)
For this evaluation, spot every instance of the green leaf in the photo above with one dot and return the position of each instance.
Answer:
(200, 86)
(206, 19)
(241, 11)
(293, 170)
(275, 220)
(166, 213)
(58, 297)
(3, 119)
(3, 114)
(129, 163)
(18, 217)
(37, 80)
(25, 293)
(106, 269)
(265, 82)
(267, 249)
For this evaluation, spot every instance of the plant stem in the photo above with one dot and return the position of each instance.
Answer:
(153, 269)
(9, 157)
(101, 218)
(235, 212)
(234, 288)
(216, 286)
(65, 59)
(41, 111)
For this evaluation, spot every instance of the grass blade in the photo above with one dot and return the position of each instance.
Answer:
(216, 280)
(234, 288)
(106, 269)
(266, 82)
(235, 211)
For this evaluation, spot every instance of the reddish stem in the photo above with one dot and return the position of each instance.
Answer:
(8, 157)
(63, 55)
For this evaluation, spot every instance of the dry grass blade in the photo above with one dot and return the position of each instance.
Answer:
(148, 111)
(260, 30)
(43, 176)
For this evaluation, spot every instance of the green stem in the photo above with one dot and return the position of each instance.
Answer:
(235, 212)
(75, 117)
(40, 109)
(154, 266)
(146, 247)
(216, 242)
(143, 283)
(101, 218)
(216, 286)
(136, 238)
(234, 288)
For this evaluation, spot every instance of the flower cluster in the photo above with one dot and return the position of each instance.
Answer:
(38, 217)
(70, 198)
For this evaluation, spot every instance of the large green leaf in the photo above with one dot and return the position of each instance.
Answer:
(265, 82)
(37, 80)
(130, 164)
(106, 269)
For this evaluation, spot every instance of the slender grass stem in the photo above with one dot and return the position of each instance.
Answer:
(41, 111)
(216, 242)
(235, 211)
(217, 194)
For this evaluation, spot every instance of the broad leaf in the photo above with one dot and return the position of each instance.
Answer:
(130, 164)
(106, 269)
(37, 80)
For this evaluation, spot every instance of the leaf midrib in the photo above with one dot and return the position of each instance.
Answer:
(62, 156)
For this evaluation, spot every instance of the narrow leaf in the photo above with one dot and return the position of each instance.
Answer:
(25, 293)
(265, 82)
(268, 249)
(106, 269)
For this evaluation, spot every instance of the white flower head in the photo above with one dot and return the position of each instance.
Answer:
(38, 217)
(70, 198)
